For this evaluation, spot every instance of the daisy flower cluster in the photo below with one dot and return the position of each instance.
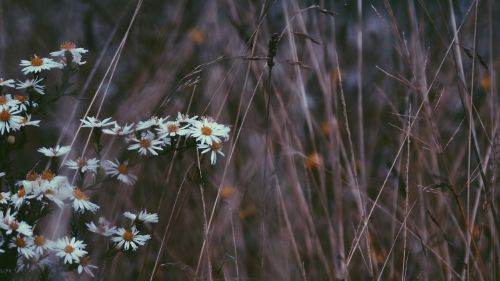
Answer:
(40, 191)
(128, 237)
(14, 108)
(156, 134)
(35, 251)
(25, 202)
(19, 99)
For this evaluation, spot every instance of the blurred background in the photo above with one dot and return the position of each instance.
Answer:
(369, 152)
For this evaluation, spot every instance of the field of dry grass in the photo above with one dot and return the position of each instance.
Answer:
(363, 138)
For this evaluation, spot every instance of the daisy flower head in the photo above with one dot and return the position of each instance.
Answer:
(28, 122)
(214, 149)
(171, 129)
(93, 122)
(85, 266)
(40, 244)
(207, 131)
(184, 118)
(33, 263)
(81, 201)
(34, 85)
(118, 130)
(153, 121)
(54, 151)
(37, 64)
(7, 83)
(83, 165)
(129, 239)
(4, 198)
(10, 224)
(142, 217)
(103, 227)
(7, 101)
(76, 53)
(22, 102)
(9, 120)
(120, 170)
(71, 250)
(17, 199)
(146, 145)
(24, 246)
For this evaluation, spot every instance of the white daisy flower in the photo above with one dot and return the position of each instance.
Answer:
(153, 121)
(76, 53)
(28, 122)
(83, 164)
(146, 145)
(32, 84)
(143, 217)
(120, 130)
(4, 197)
(84, 265)
(81, 201)
(20, 197)
(23, 245)
(103, 227)
(184, 118)
(7, 83)
(7, 102)
(54, 151)
(33, 263)
(23, 102)
(9, 120)
(40, 244)
(120, 171)
(93, 122)
(38, 64)
(207, 131)
(52, 195)
(171, 129)
(214, 149)
(129, 239)
(9, 223)
(70, 250)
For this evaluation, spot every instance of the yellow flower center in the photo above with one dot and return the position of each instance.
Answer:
(21, 192)
(39, 240)
(31, 176)
(216, 145)
(48, 175)
(69, 249)
(14, 225)
(122, 169)
(36, 61)
(146, 143)
(80, 195)
(21, 99)
(128, 235)
(3, 100)
(20, 243)
(4, 116)
(172, 128)
(82, 163)
(206, 131)
(68, 45)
